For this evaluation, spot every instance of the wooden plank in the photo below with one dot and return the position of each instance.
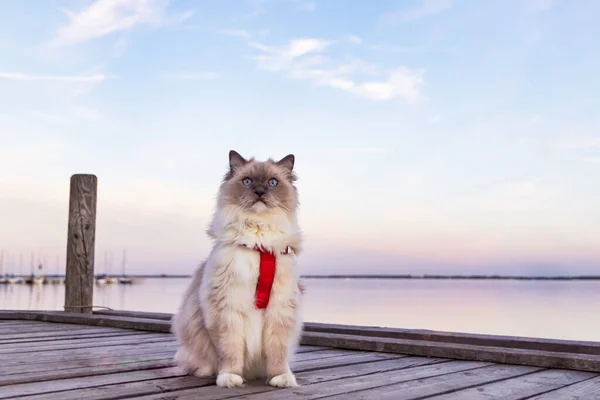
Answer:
(90, 362)
(8, 322)
(505, 355)
(59, 371)
(120, 390)
(17, 366)
(43, 327)
(56, 387)
(317, 355)
(518, 342)
(446, 383)
(343, 359)
(81, 239)
(49, 326)
(306, 349)
(12, 322)
(69, 342)
(50, 335)
(90, 320)
(95, 352)
(305, 377)
(135, 314)
(342, 386)
(69, 345)
(40, 341)
(560, 360)
(588, 389)
(518, 388)
(149, 387)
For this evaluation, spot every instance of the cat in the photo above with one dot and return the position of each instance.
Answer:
(220, 328)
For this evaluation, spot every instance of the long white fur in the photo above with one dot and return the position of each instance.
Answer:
(233, 265)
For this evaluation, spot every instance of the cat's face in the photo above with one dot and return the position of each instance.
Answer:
(259, 186)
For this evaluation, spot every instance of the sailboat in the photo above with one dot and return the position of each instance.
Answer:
(3, 278)
(102, 279)
(108, 268)
(126, 280)
(33, 278)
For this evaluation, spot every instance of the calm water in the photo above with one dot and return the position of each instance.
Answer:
(564, 310)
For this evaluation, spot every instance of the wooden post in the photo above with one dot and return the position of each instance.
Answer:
(79, 279)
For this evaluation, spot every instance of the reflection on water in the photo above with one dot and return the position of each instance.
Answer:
(566, 310)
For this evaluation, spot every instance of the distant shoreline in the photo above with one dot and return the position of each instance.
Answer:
(461, 277)
(402, 277)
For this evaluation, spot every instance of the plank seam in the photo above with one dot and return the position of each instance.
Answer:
(318, 368)
(482, 384)
(559, 388)
(431, 376)
(101, 385)
(270, 389)
(61, 338)
(89, 347)
(166, 354)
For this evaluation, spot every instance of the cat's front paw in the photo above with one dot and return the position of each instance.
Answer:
(286, 380)
(206, 371)
(229, 380)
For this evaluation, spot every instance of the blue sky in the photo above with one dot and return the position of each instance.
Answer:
(454, 136)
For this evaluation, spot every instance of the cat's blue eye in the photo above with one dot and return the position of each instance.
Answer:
(247, 181)
(272, 182)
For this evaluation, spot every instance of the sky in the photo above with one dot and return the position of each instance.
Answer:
(431, 136)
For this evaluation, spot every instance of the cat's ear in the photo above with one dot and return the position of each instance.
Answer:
(287, 162)
(236, 160)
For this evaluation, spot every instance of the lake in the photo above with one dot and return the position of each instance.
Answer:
(550, 309)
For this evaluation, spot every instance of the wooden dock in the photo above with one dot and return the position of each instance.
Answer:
(122, 355)
(85, 355)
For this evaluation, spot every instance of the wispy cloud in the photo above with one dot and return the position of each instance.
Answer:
(191, 76)
(423, 9)
(391, 48)
(104, 17)
(305, 59)
(19, 76)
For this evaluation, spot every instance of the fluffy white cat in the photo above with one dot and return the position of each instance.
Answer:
(228, 324)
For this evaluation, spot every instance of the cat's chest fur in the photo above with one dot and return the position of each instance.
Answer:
(272, 232)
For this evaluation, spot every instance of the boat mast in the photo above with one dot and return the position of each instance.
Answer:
(124, 262)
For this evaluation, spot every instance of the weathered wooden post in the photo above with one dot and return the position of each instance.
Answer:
(79, 279)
